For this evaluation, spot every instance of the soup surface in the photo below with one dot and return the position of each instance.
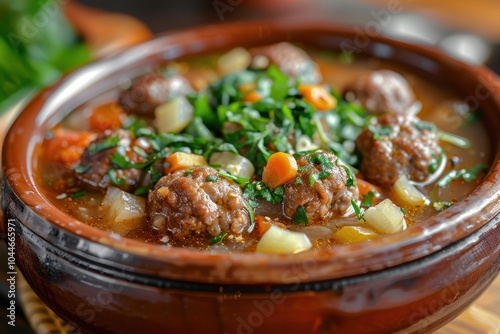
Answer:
(272, 149)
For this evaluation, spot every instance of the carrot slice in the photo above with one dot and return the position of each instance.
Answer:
(252, 97)
(280, 169)
(108, 116)
(66, 146)
(181, 160)
(318, 96)
(365, 187)
(262, 224)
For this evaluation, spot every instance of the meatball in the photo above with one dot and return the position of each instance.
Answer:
(395, 146)
(152, 90)
(290, 59)
(96, 157)
(383, 91)
(197, 201)
(322, 190)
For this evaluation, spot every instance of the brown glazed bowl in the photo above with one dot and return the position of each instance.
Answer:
(410, 282)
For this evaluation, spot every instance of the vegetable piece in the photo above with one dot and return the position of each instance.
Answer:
(408, 193)
(233, 163)
(354, 234)
(280, 169)
(174, 115)
(108, 116)
(281, 241)
(217, 239)
(66, 146)
(122, 211)
(252, 97)
(385, 217)
(453, 139)
(181, 160)
(318, 96)
(366, 187)
(235, 60)
(262, 224)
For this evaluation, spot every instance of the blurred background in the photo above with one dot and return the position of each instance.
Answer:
(42, 39)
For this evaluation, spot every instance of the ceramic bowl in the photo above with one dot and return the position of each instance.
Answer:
(413, 282)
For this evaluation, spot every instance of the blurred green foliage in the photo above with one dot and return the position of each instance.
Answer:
(37, 45)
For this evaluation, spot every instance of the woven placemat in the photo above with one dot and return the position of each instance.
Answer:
(41, 319)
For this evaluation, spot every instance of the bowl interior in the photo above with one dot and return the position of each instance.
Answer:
(475, 85)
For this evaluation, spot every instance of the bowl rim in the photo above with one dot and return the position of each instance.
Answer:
(435, 233)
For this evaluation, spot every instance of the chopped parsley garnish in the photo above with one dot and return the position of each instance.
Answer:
(422, 125)
(351, 178)
(357, 210)
(115, 180)
(217, 239)
(259, 191)
(298, 180)
(78, 194)
(441, 205)
(321, 159)
(467, 175)
(380, 131)
(453, 139)
(106, 144)
(82, 169)
(212, 178)
(312, 179)
(236, 178)
(188, 172)
(435, 163)
(368, 198)
(300, 216)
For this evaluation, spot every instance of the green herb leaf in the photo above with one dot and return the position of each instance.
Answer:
(240, 180)
(212, 178)
(217, 239)
(441, 205)
(82, 169)
(453, 139)
(357, 210)
(368, 198)
(300, 216)
(106, 144)
(380, 131)
(467, 175)
(77, 195)
(115, 180)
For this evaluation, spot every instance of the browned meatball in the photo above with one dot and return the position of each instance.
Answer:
(97, 160)
(150, 91)
(394, 146)
(197, 201)
(322, 190)
(382, 91)
(290, 59)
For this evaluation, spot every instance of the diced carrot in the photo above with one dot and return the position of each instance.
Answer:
(262, 224)
(280, 169)
(318, 96)
(108, 116)
(366, 187)
(252, 97)
(66, 146)
(181, 160)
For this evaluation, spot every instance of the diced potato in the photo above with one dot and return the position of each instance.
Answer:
(123, 212)
(354, 234)
(235, 60)
(174, 115)
(408, 193)
(280, 241)
(385, 217)
(233, 163)
(181, 160)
